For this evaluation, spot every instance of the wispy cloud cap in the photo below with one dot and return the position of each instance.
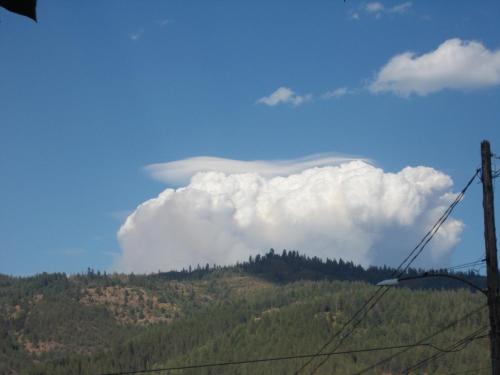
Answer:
(181, 171)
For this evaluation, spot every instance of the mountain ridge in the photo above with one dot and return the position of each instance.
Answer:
(78, 324)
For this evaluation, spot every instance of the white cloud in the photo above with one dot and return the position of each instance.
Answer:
(284, 95)
(354, 16)
(378, 9)
(374, 7)
(337, 93)
(351, 210)
(181, 171)
(401, 8)
(136, 35)
(164, 22)
(455, 64)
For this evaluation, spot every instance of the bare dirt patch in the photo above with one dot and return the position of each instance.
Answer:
(131, 305)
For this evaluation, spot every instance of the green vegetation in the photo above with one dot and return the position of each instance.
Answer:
(273, 305)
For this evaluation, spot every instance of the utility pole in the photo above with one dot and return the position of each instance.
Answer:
(490, 241)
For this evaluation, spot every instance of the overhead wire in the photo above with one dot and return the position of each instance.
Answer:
(282, 358)
(455, 347)
(416, 251)
(400, 270)
(425, 339)
(435, 228)
(359, 321)
(466, 265)
(375, 296)
(478, 270)
(469, 371)
(368, 305)
(341, 341)
(496, 172)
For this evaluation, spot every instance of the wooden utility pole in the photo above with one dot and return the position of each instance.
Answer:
(490, 241)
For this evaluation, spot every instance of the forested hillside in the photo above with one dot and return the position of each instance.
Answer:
(273, 305)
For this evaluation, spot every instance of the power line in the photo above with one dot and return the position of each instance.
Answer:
(455, 347)
(400, 270)
(359, 311)
(469, 371)
(458, 346)
(350, 332)
(282, 358)
(435, 228)
(466, 265)
(379, 293)
(425, 339)
(416, 251)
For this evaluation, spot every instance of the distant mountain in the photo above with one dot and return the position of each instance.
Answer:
(274, 304)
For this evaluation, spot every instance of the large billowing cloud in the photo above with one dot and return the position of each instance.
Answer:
(350, 209)
(455, 64)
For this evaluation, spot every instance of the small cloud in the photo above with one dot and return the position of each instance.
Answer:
(354, 16)
(455, 64)
(284, 95)
(136, 35)
(164, 22)
(337, 93)
(401, 8)
(374, 7)
(378, 9)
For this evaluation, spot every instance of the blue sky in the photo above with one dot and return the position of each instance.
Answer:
(94, 92)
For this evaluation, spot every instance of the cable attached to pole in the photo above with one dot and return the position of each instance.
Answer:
(400, 270)
(283, 358)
